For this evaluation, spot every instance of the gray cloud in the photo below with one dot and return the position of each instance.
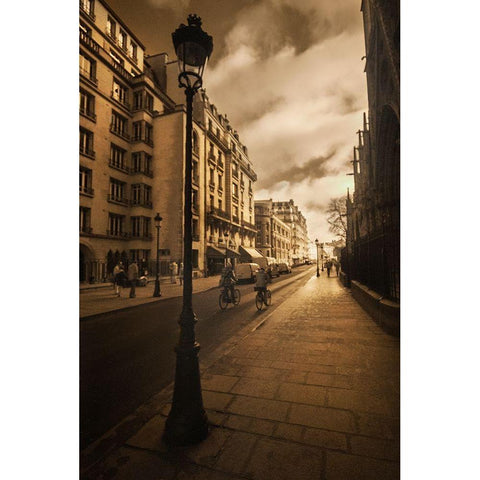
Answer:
(313, 169)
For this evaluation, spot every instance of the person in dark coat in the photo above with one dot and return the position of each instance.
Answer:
(132, 278)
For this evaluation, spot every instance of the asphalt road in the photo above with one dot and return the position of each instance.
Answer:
(127, 356)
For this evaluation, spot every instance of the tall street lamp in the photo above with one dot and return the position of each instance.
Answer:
(156, 291)
(321, 246)
(187, 421)
(225, 236)
(316, 244)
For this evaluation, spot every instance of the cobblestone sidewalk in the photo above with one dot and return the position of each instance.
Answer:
(312, 393)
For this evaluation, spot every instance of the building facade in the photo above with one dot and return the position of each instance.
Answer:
(132, 158)
(291, 216)
(373, 212)
(273, 235)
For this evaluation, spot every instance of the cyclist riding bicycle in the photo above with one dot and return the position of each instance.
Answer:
(262, 280)
(228, 280)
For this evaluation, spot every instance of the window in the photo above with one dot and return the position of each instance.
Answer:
(235, 189)
(195, 146)
(140, 129)
(220, 161)
(220, 178)
(87, 104)
(85, 216)
(87, 6)
(133, 50)
(141, 227)
(86, 143)
(116, 225)
(235, 169)
(148, 102)
(220, 204)
(212, 177)
(142, 195)
(148, 134)
(88, 67)
(118, 157)
(118, 191)
(122, 40)
(120, 92)
(86, 181)
(138, 100)
(111, 26)
(142, 163)
(137, 131)
(119, 125)
(212, 201)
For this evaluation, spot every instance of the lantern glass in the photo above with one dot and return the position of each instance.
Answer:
(192, 58)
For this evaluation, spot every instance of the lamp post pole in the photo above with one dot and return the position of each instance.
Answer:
(187, 421)
(156, 291)
(321, 246)
(225, 236)
(316, 244)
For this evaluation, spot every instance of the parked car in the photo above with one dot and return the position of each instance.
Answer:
(246, 272)
(284, 268)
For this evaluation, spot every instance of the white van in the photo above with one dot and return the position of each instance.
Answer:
(246, 272)
(270, 265)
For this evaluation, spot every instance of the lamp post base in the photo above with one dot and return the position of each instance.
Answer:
(318, 273)
(156, 291)
(187, 422)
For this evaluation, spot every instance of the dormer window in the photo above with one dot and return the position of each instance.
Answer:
(111, 27)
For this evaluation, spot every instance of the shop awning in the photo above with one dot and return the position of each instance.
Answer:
(215, 252)
(251, 253)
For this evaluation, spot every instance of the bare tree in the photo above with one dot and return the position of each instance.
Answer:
(337, 211)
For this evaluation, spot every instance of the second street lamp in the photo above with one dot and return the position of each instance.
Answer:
(316, 244)
(321, 246)
(156, 292)
(187, 421)
(225, 236)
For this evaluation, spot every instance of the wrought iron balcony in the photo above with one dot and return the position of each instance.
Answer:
(89, 42)
(118, 199)
(118, 131)
(118, 234)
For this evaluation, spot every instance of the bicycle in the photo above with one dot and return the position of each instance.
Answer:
(224, 298)
(263, 297)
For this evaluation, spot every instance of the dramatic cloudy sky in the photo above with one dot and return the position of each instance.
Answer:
(289, 75)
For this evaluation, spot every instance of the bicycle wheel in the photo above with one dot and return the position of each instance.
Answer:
(268, 298)
(223, 301)
(236, 296)
(259, 300)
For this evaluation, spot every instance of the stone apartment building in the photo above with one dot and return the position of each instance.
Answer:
(290, 214)
(132, 153)
(273, 235)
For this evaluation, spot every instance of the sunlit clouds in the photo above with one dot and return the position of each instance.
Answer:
(289, 76)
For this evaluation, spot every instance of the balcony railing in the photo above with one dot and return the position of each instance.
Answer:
(121, 71)
(87, 152)
(248, 225)
(141, 138)
(89, 42)
(211, 186)
(122, 101)
(142, 171)
(141, 236)
(121, 133)
(219, 213)
(119, 166)
(117, 234)
(117, 199)
(142, 203)
(86, 191)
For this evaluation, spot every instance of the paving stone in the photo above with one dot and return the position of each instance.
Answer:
(289, 432)
(149, 437)
(256, 388)
(236, 453)
(218, 383)
(340, 466)
(280, 460)
(207, 452)
(378, 426)
(259, 408)
(328, 380)
(321, 417)
(375, 447)
(325, 438)
(216, 400)
(262, 373)
(358, 401)
(310, 394)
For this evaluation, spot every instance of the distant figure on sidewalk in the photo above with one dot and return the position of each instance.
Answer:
(173, 271)
(337, 267)
(118, 278)
(132, 277)
(180, 273)
(329, 267)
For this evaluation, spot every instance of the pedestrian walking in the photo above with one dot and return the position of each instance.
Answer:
(173, 271)
(337, 267)
(180, 273)
(329, 267)
(132, 277)
(118, 278)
